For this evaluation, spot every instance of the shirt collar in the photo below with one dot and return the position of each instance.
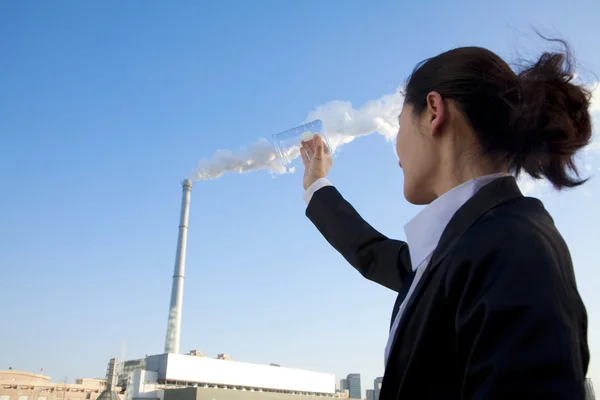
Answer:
(423, 232)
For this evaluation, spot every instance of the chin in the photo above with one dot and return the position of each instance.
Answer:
(417, 197)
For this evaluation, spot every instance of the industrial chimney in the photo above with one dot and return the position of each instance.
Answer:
(174, 322)
(110, 393)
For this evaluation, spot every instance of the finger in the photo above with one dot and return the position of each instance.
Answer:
(319, 151)
(319, 146)
(304, 156)
(311, 144)
(322, 142)
(309, 148)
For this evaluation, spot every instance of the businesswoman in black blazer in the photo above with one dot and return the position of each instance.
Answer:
(487, 304)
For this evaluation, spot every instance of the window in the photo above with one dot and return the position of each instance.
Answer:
(4, 397)
(42, 398)
(23, 397)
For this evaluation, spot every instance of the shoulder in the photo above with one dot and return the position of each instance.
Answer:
(520, 224)
(514, 242)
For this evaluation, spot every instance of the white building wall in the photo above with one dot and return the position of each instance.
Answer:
(185, 368)
(143, 384)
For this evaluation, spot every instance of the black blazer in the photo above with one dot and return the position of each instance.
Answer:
(497, 314)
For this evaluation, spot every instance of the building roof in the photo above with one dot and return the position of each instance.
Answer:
(20, 376)
(12, 378)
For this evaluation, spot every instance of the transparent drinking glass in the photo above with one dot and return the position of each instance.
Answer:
(288, 143)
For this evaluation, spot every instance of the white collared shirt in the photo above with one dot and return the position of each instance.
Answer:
(424, 231)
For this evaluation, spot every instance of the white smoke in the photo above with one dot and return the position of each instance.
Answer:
(341, 122)
(259, 156)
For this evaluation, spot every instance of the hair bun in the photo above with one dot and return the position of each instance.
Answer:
(551, 120)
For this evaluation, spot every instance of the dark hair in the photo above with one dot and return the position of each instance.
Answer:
(535, 120)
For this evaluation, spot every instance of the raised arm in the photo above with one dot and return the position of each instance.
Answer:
(375, 256)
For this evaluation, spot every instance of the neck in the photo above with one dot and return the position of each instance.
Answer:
(459, 173)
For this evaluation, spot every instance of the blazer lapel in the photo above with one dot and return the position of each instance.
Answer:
(402, 295)
(487, 198)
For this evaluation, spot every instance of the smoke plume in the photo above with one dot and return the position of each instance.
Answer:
(341, 121)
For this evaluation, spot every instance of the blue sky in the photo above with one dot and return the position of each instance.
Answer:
(106, 106)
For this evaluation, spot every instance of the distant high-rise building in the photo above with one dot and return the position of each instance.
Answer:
(589, 390)
(343, 384)
(377, 386)
(354, 386)
(370, 394)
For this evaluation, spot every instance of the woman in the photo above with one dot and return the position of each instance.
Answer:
(487, 304)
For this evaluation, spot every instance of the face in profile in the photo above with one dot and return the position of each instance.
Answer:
(416, 157)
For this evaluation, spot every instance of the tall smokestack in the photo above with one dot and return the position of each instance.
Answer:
(174, 322)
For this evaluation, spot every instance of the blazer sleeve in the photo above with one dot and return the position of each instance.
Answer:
(375, 256)
(521, 327)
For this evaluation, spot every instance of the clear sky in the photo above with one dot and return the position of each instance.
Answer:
(106, 106)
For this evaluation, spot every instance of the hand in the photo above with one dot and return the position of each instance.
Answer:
(317, 160)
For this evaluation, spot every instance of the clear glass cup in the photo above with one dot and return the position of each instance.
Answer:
(288, 143)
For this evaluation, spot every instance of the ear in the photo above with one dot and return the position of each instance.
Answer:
(436, 112)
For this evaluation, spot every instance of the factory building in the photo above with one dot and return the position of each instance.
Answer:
(165, 372)
(194, 376)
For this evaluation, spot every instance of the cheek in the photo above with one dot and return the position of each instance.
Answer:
(405, 147)
(411, 157)
(400, 144)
